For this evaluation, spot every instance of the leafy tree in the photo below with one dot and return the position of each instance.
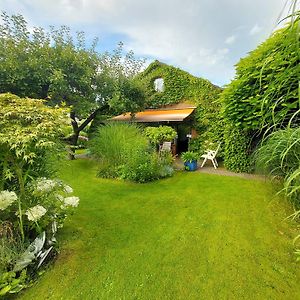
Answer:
(52, 66)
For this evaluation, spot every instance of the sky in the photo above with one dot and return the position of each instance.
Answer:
(204, 37)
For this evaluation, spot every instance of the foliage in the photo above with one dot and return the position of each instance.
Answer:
(279, 155)
(55, 66)
(265, 89)
(189, 156)
(237, 149)
(123, 151)
(180, 86)
(144, 166)
(160, 134)
(29, 133)
(11, 283)
(29, 204)
(263, 97)
(114, 143)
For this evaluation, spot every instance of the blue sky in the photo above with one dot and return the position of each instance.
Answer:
(204, 37)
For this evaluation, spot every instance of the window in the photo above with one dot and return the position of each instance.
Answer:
(159, 85)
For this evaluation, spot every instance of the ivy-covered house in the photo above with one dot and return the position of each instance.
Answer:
(178, 99)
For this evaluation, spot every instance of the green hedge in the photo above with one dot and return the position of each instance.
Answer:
(237, 150)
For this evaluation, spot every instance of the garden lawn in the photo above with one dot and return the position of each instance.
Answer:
(193, 236)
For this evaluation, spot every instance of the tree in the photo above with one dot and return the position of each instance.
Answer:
(52, 66)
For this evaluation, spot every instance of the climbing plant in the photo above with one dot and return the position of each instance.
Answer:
(180, 86)
(264, 96)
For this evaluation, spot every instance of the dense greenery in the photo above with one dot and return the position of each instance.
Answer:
(30, 204)
(160, 134)
(237, 154)
(122, 150)
(264, 94)
(181, 86)
(279, 156)
(178, 238)
(55, 66)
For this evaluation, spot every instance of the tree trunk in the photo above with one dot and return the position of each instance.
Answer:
(77, 129)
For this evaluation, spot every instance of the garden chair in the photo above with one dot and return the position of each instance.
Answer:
(166, 146)
(211, 155)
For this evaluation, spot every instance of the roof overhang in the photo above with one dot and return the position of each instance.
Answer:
(157, 115)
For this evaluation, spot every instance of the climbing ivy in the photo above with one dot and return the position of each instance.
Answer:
(181, 86)
(263, 97)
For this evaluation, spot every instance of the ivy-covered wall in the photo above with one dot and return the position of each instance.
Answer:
(178, 86)
(181, 86)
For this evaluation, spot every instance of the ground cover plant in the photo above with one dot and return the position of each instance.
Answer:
(187, 237)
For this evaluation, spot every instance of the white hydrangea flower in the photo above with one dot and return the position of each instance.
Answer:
(71, 201)
(45, 185)
(35, 213)
(59, 197)
(68, 189)
(7, 198)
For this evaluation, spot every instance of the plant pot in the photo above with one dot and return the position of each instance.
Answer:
(191, 165)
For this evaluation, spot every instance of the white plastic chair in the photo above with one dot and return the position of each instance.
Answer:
(211, 155)
(166, 146)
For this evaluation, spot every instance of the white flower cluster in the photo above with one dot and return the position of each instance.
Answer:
(44, 185)
(71, 201)
(68, 189)
(35, 213)
(6, 199)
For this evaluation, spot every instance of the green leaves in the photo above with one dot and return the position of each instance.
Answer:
(28, 129)
(160, 134)
(265, 90)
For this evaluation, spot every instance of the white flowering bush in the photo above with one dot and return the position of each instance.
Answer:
(43, 208)
(7, 198)
(46, 200)
(35, 213)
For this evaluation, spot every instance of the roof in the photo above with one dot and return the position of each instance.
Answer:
(170, 113)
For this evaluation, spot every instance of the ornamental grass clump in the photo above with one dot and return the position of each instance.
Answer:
(122, 150)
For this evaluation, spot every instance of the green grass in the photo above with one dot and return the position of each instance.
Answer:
(193, 236)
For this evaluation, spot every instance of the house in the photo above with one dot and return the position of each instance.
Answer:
(173, 99)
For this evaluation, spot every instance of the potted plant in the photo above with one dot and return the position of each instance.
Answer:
(190, 160)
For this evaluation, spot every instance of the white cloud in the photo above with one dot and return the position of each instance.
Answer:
(187, 34)
(230, 40)
(255, 30)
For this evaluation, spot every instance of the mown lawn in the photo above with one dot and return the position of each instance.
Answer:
(193, 236)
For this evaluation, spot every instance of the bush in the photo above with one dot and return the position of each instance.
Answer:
(30, 204)
(237, 150)
(144, 166)
(158, 135)
(123, 151)
(113, 144)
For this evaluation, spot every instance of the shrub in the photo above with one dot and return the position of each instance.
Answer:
(144, 166)
(237, 150)
(29, 205)
(158, 135)
(113, 144)
(123, 151)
